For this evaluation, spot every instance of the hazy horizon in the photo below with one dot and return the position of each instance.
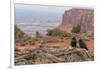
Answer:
(32, 18)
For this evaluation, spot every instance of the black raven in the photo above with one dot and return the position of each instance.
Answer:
(73, 42)
(82, 44)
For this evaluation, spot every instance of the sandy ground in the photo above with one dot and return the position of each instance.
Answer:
(90, 45)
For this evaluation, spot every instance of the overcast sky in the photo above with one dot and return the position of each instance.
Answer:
(33, 12)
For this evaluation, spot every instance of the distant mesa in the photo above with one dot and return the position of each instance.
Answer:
(82, 17)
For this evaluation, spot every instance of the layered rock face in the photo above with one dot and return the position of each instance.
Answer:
(74, 16)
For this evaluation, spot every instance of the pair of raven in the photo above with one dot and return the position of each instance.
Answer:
(81, 43)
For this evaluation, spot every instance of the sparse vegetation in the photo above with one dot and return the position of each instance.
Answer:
(76, 29)
(21, 37)
(57, 33)
(18, 33)
(38, 35)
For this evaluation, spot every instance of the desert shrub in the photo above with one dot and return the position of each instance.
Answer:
(38, 35)
(76, 29)
(21, 37)
(18, 33)
(57, 32)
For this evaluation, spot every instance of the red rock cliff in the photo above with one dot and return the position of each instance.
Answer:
(83, 17)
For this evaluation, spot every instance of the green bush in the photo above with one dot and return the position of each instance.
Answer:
(76, 29)
(18, 33)
(21, 37)
(38, 35)
(57, 32)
